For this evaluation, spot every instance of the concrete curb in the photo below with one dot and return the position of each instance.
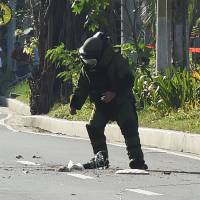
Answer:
(15, 106)
(158, 138)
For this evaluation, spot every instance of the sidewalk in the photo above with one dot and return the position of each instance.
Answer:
(158, 138)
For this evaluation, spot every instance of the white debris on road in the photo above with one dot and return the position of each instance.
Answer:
(132, 171)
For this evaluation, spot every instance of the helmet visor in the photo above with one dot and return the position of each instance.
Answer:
(91, 62)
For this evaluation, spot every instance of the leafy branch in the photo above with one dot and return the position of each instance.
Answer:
(94, 11)
(68, 60)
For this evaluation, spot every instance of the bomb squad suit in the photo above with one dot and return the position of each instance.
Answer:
(108, 80)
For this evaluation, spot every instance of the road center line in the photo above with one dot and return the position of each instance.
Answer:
(25, 162)
(145, 192)
(80, 176)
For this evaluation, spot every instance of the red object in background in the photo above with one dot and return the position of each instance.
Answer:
(194, 50)
(191, 50)
(151, 46)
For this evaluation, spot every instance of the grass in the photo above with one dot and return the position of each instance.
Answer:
(176, 120)
(22, 91)
(62, 111)
(180, 121)
(187, 121)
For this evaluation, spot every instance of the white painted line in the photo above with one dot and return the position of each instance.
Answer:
(2, 122)
(174, 153)
(80, 176)
(25, 162)
(145, 192)
(162, 151)
(6, 118)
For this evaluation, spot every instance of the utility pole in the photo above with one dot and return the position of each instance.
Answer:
(163, 35)
(172, 35)
(180, 33)
(11, 36)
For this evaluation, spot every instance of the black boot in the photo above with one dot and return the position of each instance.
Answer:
(135, 154)
(100, 160)
(137, 164)
(133, 146)
(98, 142)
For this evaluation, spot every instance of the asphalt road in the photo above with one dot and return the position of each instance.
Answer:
(40, 179)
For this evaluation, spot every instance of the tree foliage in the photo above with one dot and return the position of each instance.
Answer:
(94, 11)
(69, 60)
(59, 29)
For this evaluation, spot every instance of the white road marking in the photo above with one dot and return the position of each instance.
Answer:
(2, 122)
(162, 151)
(80, 176)
(132, 171)
(174, 153)
(145, 192)
(25, 162)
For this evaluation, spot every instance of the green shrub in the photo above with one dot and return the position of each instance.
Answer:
(68, 61)
(22, 90)
(177, 88)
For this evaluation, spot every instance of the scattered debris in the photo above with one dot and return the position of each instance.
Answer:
(6, 177)
(35, 157)
(19, 157)
(26, 171)
(73, 194)
(78, 166)
(70, 167)
(133, 171)
(167, 172)
(63, 169)
(59, 133)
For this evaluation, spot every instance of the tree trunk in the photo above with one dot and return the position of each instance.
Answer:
(180, 33)
(163, 43)
(55, 27)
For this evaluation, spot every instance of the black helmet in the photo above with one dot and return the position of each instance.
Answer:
(93, 47)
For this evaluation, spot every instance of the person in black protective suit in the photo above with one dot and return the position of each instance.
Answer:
(108, 80)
